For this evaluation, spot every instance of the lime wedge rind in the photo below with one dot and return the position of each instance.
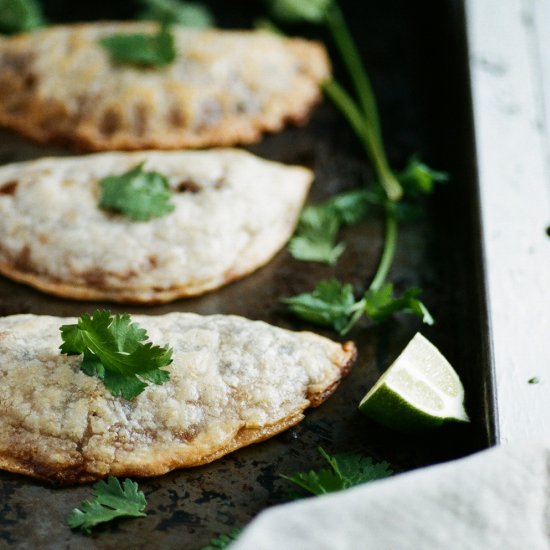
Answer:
(419, 390)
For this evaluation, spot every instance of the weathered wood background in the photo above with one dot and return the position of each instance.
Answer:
(510, 62)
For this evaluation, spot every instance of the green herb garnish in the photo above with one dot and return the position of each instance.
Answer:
(534, 380)
(147, 50)
(111, 500)
(224, 541)
(333, 304)
(317, 232)
(189, 14)
(315, 237)
(363, 116)
(115, 350)
(330, 304)
(419, 179)
(381, 303)
(319, 225)
(312, 11)
(346, 470)
(20, 16)
(138, 194)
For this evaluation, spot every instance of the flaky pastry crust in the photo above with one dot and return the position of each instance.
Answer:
(225, 87)
(233, 382)
(233, 212)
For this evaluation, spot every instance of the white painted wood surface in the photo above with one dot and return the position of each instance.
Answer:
(510, 62)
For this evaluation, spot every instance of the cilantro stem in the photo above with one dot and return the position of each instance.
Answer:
(347, 107)
(350, 55)
(369, 130)
(333, 303)
(367, 135)
(388, 253)
(390, 242)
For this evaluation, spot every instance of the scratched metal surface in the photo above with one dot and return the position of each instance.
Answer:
(439, 252)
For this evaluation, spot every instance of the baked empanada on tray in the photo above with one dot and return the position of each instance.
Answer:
(232, 382)
(232, 212)
(223, 88)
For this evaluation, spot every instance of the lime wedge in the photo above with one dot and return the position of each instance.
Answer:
(420, 390)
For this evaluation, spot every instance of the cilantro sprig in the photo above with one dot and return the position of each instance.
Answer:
(177, 12)
(224, 541)
(312, 11)
(111, 500)
(417, 178)
(20, 16)
(138, 194)
(115, 350)
(315, 239)
(346, 470)
(319, 225)
(333, 304)
(146, 50)
(363, 115)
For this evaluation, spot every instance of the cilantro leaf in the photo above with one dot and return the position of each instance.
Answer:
(224, 541)
(111, 500)
(264, 24)
(351, 207)
(333, 304)
(315, 238)
(381, 304)
(113, 349)
(355, 469)
(291, 11)
(315, 248)
(330, 304)
(318, 227)
(138, 194)
(346, 470)
(189, 14)
(20, 16)
(148, 50)
(418, 178)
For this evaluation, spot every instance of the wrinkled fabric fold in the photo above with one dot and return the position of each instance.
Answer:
(496, 499)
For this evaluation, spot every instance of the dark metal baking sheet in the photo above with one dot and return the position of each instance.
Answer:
(416, 54)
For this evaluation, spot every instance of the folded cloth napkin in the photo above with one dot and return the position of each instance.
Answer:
(497, 499)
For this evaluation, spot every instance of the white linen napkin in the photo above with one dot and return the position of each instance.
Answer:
(497, 499)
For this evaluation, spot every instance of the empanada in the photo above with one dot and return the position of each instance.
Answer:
(233, 212)
(225, 87)
(233, 382)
